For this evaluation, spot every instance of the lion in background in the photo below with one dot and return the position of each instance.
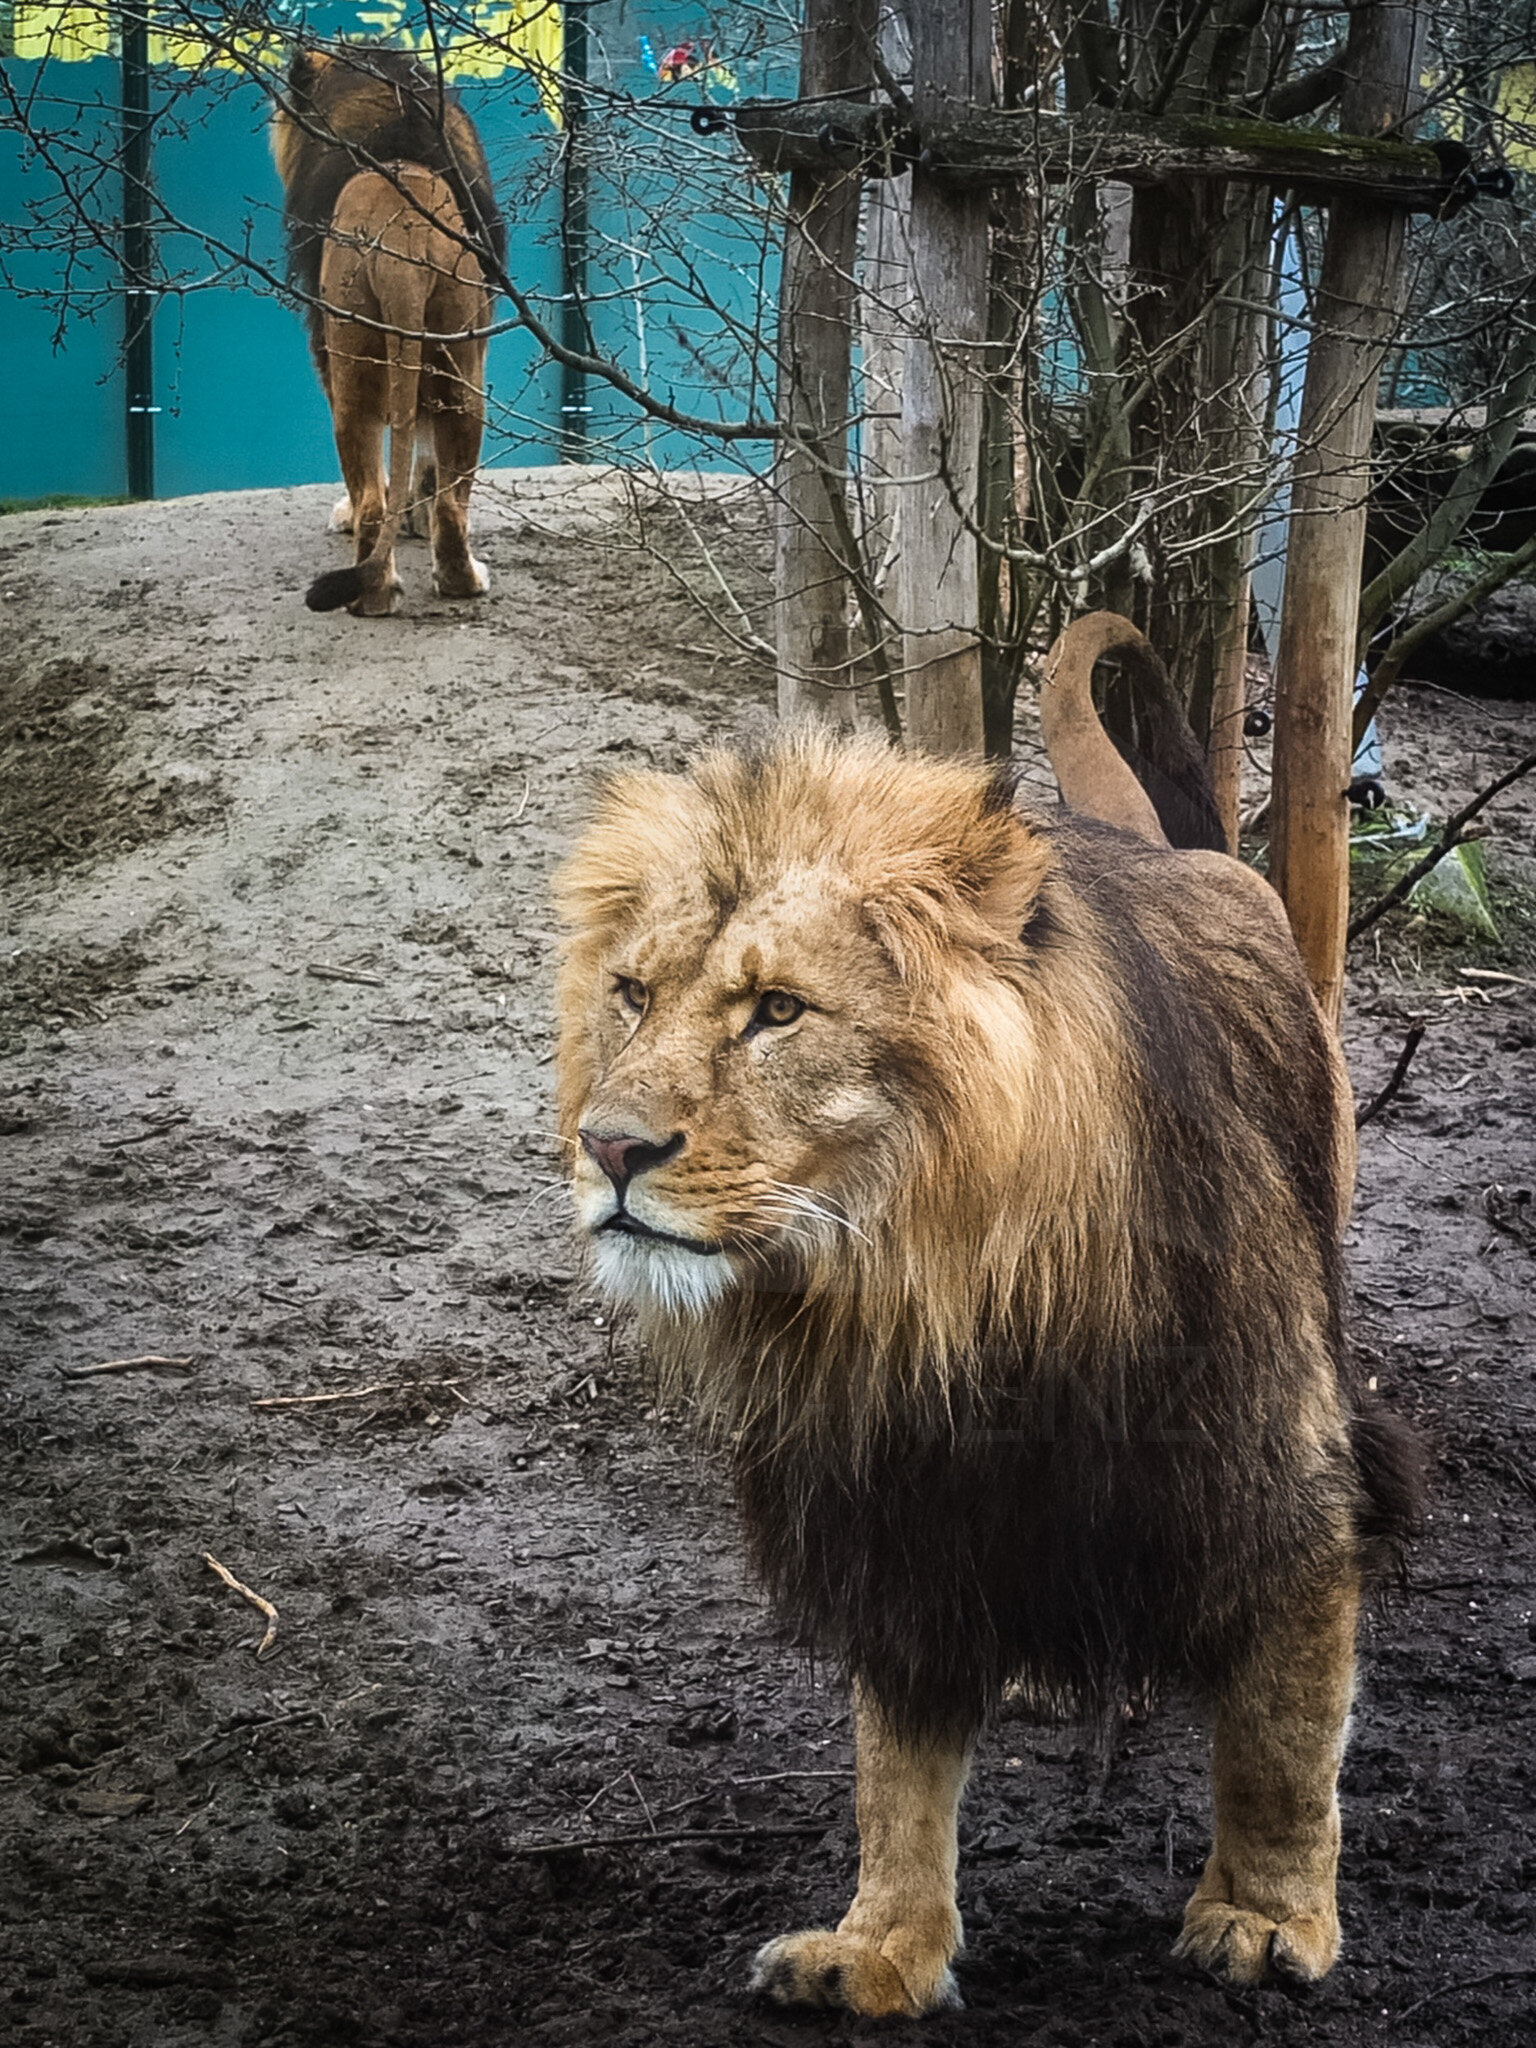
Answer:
(389, 206)
(983, 1175)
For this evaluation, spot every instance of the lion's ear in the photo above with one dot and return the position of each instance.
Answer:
(1002, 865)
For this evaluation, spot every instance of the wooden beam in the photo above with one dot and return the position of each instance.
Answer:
(812, 641)
(1359, 303)
(981, 147)
(934, 581)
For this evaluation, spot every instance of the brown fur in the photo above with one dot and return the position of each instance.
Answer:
(387, 200)
(1014, 1281)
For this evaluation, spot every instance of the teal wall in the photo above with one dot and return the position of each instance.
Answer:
(240, 403)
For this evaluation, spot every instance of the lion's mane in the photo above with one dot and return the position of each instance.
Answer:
(364, 109)
(1076, 1408)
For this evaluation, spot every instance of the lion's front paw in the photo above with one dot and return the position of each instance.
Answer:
(1246, 1946)
(819, 1967)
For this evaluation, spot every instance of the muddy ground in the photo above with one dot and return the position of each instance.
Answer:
(274, 1017)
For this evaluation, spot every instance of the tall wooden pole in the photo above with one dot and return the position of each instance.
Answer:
(811, 620)
(1359, 302)
(935, 588)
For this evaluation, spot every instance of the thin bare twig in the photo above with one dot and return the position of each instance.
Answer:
(1464, 1984)
(322, 972)
(1379, 1101)
(264, 1606)
(149, 1358)
(663, 1835)
(1450, 839)
(356, 1393)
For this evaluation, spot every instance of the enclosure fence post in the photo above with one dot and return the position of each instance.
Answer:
(812, 637)
(936, 585)
(575, 212)
(1359, 302)
(138, 258)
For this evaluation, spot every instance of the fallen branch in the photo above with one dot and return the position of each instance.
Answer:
(264, 1606)
(356, 1393)
(1450, 839)
(1379, 1102)
(322, 972)
(149, 1359)
(664, 1835)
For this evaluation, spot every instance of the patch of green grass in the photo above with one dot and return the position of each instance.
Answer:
(57, 501)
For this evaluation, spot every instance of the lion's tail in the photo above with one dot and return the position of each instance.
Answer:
(406, 310)
(1391, 1464)
(1162, 791)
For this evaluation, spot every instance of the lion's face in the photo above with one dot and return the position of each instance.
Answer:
(759, 1004)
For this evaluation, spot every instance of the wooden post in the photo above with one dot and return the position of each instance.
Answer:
(935, 591)
(1359, 302)
(811, 620)
(885, 312)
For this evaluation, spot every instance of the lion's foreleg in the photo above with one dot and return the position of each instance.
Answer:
(891, 1952)
(1266, 1899)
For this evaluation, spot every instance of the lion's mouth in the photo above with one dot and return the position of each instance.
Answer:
(630, 1226)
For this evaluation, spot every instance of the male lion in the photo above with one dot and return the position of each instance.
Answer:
(984, 1174)
(388, 202)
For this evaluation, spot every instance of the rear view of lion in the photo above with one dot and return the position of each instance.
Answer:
(387, 201)
(983, 1174)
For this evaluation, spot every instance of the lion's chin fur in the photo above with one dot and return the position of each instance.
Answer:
(660, 1281)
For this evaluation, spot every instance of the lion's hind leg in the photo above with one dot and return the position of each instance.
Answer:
(892, 1950)
(1266, 1899)
(457, 424)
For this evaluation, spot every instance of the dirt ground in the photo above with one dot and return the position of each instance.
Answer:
(275, 1027)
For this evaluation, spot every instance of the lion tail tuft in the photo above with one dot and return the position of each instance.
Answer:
(338, 587)
(1392, 1465)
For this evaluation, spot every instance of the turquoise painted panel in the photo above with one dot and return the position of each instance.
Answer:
(684, 261)
(64, 427)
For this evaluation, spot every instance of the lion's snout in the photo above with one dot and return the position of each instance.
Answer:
(624, 1155)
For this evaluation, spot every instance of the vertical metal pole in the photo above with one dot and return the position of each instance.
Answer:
(138, 257)
(575, 333)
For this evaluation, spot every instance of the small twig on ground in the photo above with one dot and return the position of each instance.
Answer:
(148, 1360)
(662, 1835)
(1380, 1100)
(1463, 1984)
(1449, 840)
(1493, 974)
(156, 1130)
(742, 1784)
(264, 1606)
(359, 1393)
(322, 972)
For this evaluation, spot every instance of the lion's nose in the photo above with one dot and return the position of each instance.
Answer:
(624, 1156)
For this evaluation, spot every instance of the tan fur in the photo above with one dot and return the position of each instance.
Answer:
(395, 258)
(1092, 776)
(856, 1253)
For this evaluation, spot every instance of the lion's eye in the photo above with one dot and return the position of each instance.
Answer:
(634, 994)
(774, 1008)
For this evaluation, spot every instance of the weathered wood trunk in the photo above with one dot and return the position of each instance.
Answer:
(811, 610)
(1359, 302)
(935, 587)
(885, 318)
